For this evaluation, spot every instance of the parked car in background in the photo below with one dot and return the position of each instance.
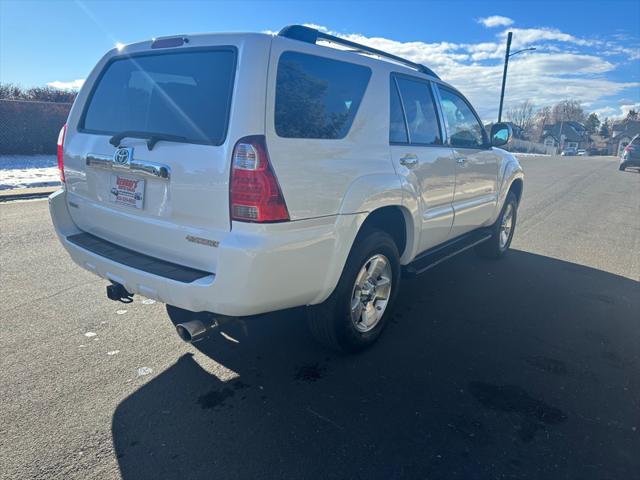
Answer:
(239, 174)
(569, 151)
(631, 154)
(582, 152)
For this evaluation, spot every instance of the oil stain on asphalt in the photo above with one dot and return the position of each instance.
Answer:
(535, 414)
(217, 398)
(548, 365)
(310, 373)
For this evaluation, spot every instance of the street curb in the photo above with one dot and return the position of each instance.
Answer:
(26, 193)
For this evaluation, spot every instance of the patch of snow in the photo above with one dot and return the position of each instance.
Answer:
(90, 334)
(148, 301)
(144, 371)
(120, 312)
(24, 171)
(113, 352)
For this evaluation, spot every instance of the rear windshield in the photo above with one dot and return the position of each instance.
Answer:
(187, 94)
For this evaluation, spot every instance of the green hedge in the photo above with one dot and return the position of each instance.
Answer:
(30, 127)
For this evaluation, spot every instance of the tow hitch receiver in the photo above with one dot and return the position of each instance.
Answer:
(117, 292)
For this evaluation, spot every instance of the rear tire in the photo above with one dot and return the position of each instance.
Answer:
(622, 168)
(355, 314)
(502, 231)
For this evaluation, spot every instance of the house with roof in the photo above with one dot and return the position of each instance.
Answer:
(621, 135)
(563, 135)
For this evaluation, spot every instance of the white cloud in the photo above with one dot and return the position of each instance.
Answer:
(561, 63)
(528, 36)
(617, 113)
(495, 21)
(624, 109)
(71, 85)
(606, 112)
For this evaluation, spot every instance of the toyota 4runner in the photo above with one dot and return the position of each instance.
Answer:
(238, 174)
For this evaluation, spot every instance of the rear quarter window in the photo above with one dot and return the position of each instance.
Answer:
(317, 97)
(186, 93)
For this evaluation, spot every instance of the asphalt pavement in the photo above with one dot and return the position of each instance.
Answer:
(528, 367)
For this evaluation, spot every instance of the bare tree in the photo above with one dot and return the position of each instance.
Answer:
(9, 91)
(568, 110)
(542, 117)
(522, 116)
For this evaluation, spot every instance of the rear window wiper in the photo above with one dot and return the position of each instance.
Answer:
(152, 138)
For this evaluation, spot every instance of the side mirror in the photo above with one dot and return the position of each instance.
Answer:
(500, 134)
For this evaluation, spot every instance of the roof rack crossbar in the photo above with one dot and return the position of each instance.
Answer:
(311, 35)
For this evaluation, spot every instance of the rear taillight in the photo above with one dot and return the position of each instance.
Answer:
(255, 195)
(629, 148)
(63, 132)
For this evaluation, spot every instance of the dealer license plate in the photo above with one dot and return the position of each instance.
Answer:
(127, 191)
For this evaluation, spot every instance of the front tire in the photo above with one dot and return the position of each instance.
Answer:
(498, 245)
(355, 314)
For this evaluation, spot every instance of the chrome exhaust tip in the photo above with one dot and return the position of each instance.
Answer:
(193, 330)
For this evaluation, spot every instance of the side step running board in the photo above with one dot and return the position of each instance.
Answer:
(439, 254)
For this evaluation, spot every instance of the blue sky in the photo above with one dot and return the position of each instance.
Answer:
(587, 50)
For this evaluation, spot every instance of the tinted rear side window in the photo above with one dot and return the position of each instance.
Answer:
(397, 127)
(420, 111)
(186, 93)
(317, 97)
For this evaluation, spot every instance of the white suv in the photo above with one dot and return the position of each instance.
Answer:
(238, 174)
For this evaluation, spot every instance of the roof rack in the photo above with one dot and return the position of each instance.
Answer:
(311, 35)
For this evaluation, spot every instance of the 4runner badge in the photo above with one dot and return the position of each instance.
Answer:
(202, 241)
(122, 156)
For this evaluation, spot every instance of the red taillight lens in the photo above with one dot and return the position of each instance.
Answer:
(63, 132)
(629, 148)
(255, 195)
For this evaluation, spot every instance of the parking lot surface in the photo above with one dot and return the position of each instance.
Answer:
(527, 367)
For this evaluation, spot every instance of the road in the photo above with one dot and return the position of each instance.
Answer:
(527, 367)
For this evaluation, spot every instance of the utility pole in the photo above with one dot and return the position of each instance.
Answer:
(507, 55)
(504, 74)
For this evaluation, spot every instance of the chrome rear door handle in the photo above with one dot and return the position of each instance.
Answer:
(409, 160)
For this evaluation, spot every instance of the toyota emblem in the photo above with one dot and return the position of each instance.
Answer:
(122, 156)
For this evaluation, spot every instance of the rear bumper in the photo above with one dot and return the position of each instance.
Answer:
(260, 268)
